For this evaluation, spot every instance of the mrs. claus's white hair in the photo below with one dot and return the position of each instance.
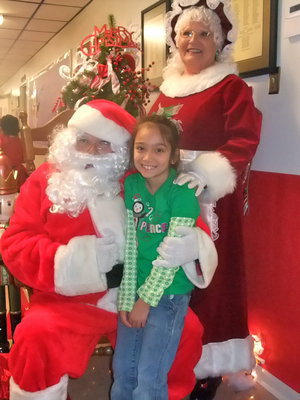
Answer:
(207, 17)
(213, 22)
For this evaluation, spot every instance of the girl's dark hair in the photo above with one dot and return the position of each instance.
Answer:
(168, 131)
(10, 125)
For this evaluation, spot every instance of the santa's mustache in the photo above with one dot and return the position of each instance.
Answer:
(83, 178)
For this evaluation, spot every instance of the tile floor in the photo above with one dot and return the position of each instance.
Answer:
(95, 383)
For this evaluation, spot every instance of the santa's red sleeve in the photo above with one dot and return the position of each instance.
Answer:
(27, 251)
(50, 251)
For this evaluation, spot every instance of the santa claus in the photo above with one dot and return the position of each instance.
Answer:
(66, 241)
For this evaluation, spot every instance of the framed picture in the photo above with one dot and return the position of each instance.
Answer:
(154, 48)
(255, 50)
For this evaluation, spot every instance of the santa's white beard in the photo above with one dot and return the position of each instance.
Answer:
(83, 177)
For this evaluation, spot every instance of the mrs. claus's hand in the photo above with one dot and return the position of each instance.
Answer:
(193, 180)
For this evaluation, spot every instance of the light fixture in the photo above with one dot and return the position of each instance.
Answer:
(1, 19)
(258, 349)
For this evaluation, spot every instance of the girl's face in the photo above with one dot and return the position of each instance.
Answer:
(152, 154)
(196, 47)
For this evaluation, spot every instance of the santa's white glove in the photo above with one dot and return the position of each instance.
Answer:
(177, 251)
(106, 253)
(80, 267)
(194, 180)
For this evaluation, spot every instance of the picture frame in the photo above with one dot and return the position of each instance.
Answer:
(154, 48)
(255, 50)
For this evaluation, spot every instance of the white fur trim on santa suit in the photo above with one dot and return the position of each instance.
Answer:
(240, 381)
(55, 392)
(217, 173)
(109, 301)
(215, 357)
(105, 120)
(178, 85)
(80, 266)
(109, 218)
(208, 259)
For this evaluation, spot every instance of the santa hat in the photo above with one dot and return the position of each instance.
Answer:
(105, 120)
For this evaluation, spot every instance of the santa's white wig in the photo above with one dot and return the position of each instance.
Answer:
(81, 177)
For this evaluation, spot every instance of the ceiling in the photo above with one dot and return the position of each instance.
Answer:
(28, 25)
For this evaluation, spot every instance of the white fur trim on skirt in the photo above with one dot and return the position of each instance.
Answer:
(55, 392)
(224, 358)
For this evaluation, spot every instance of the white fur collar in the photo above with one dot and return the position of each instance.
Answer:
(178, 85)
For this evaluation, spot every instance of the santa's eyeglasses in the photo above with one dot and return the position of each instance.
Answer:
(92, 145)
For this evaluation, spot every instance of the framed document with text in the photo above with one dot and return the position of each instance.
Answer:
(255, 50)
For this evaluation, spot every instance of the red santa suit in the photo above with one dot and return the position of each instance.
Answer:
(66, 257)
(220, 134)
(67, 260)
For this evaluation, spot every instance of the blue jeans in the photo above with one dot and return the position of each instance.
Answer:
(144, 356)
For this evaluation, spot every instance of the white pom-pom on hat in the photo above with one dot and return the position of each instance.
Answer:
(105, 120)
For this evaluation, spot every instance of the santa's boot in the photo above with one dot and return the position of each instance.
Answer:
(205, 389)
(55, 392)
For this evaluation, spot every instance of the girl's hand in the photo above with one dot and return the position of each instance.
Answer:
(124, 316)
(139, 314)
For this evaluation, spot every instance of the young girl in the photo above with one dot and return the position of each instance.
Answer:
(152, 301)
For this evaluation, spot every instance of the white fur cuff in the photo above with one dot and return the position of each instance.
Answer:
(218, 174)
(76, 269)
(109, 218)
(55, 392)
(226, 358)
(208, 258)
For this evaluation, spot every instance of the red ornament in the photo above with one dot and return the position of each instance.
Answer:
(130, 61)
(102, 70)
(102, 74)
(59, 104)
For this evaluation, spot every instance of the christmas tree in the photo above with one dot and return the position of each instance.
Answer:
(107, 71)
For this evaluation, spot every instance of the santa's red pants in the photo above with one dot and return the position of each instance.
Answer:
(57, 337)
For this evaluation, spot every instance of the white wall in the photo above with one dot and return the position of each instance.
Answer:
(3, 106)
(125, 12)
(279, 150)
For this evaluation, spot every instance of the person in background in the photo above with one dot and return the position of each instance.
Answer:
(221, 130)
(12, 146)
(153, 301)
